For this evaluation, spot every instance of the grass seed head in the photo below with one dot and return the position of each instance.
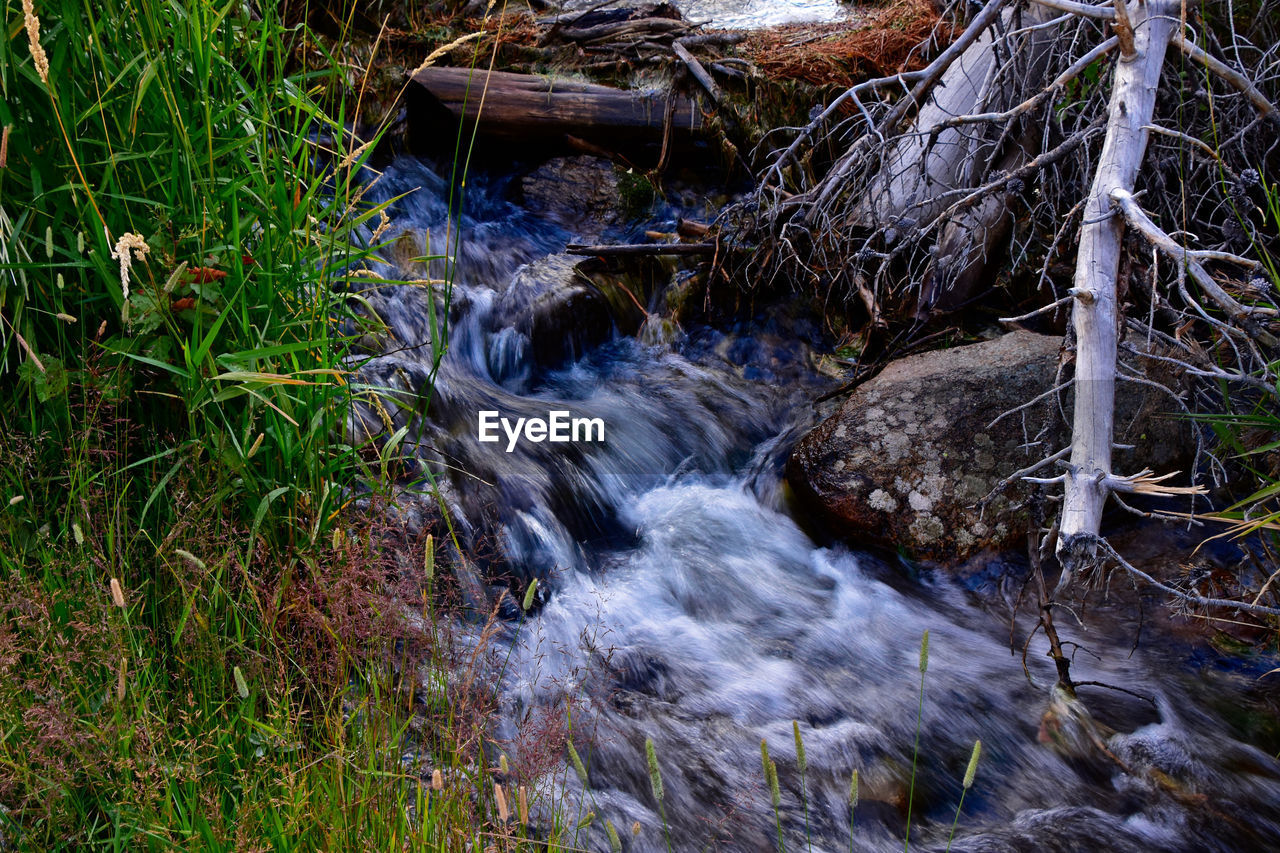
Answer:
(655, 773)
(770, 774)
(117, 593)
(578, 766)
(38, 56)
(924, 652)
(191, 558)
(242, 686)
(972, 769)
(503, 813)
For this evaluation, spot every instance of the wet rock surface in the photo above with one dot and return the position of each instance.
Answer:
(559, 310)
(580, 194)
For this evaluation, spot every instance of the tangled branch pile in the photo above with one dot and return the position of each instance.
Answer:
(1116, 161)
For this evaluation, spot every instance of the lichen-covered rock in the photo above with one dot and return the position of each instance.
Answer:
(909, 456)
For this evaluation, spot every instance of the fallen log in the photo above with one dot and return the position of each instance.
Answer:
(531, 108)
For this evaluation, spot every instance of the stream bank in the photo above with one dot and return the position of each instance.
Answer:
(684, 597)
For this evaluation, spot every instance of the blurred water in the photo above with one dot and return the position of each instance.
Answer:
(682, 603)
(756, 14)
(745, 14)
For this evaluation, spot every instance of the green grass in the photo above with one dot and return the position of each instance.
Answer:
(181, 449)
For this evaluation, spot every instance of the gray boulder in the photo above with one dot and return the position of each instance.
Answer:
(909, 456)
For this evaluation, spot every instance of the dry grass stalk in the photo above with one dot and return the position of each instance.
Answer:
(38, 57)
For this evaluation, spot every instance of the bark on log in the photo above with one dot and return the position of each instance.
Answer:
(527, 107)
(1133, 95)
(968, 244)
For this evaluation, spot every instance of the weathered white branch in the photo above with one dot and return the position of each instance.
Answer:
(1189, 597)
(1038, 98)
(1084, 10)
(1157, 237)
(946, 89)
(1139, 220)
(1233, 78)
(1097, 264)
(1047, 158)
(1199, 144)
(1025, 474)
(1052, 306)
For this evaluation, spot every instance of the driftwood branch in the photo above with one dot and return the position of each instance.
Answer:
(1139, 220)
(1188, 597)
(1038, 99)
(698, 72)
(1094, 318)
(925, 83)
(1232, 78)
(1083, 10)
(642, 249)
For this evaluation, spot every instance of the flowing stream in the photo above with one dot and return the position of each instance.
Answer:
(749, 14)
(681, 600)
